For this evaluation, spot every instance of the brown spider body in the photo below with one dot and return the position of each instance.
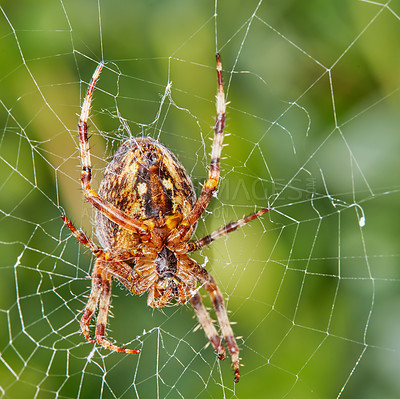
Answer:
(146, 212)
(147, 182)
(144, 179)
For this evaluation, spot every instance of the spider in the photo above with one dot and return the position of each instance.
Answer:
(146, 213)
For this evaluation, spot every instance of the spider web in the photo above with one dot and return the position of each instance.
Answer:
(312, 286)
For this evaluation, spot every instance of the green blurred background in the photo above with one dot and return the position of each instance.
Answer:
(313, 121)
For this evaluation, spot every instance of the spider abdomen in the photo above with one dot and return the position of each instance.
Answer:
(145, 180)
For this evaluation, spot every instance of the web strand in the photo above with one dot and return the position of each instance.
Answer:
(311, 286)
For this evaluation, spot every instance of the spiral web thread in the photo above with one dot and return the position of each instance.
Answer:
(312, 131)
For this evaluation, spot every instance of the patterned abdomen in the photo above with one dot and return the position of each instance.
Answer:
(145, 180)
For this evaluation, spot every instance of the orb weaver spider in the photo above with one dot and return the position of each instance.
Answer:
(146, 213)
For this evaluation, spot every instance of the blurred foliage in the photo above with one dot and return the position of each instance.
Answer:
(313, 121)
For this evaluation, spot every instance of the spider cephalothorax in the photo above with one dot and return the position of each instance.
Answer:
(146, 212)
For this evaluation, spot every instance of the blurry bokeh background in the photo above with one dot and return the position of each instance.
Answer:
(313, 287)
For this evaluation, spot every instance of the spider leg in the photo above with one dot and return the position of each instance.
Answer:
(207, 324)
(218, 302)
(206, 240)
(101, 289)
(99, 253)
(81, 237)
(212, 182)
(109, 210)
(217, 299)
(113, 262)
(92, 302)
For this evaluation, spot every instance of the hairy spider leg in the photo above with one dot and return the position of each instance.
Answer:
(222, 231)
(109, 210)
(99, 253)
(208, 282)
(91, 305)
(81, 237)
(100, 294)
(185, 228)
(218, 302)
(106, 265)
(207, 324)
